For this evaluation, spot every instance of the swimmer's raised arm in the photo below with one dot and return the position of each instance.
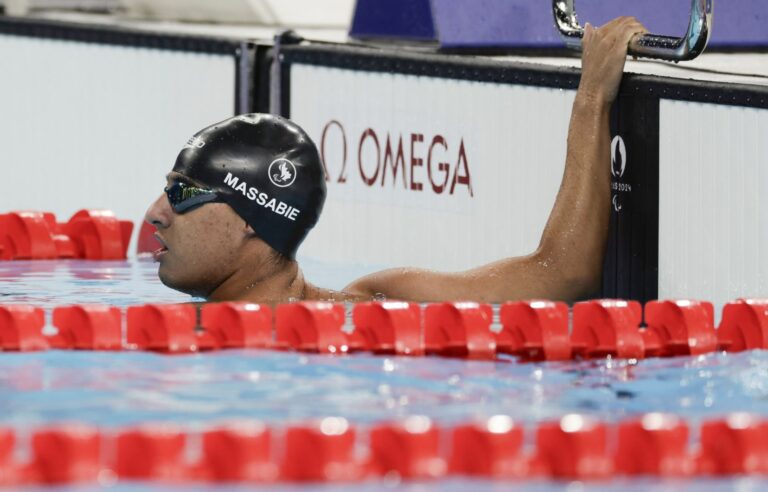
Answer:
(245, 192)
(567, 265)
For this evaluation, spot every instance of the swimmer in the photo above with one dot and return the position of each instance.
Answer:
(245, 192)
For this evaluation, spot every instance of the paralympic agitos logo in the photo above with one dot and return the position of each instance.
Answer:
(410, 161)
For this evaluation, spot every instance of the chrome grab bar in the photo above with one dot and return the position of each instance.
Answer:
(648, 45)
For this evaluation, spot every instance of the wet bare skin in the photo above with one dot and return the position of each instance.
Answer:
(212, 253)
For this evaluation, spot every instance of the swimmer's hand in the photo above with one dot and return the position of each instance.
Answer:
(604, 52)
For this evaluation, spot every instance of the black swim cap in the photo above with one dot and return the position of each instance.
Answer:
(267, 169)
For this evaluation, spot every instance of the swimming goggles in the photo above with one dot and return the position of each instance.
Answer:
(184, 197)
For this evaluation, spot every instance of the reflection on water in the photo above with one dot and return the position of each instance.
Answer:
(58, 282)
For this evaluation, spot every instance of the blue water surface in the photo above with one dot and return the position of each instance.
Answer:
(114, 389)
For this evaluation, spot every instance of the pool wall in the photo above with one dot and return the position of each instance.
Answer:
(713, 229)
(94, 117)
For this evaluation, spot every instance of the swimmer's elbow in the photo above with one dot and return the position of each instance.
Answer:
(585, 285)
(570, 280)
(590, 275)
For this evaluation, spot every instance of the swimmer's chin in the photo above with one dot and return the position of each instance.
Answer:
(169, 282)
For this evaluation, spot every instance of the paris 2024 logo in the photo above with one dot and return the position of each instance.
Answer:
(618, 168)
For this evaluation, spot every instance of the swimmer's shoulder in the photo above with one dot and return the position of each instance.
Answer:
(362, 287)
(314, 293)
(407, 284)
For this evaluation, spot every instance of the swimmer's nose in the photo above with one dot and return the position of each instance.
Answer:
(159, 213)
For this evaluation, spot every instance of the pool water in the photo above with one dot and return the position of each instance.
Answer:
(114, 389)
(121, 388)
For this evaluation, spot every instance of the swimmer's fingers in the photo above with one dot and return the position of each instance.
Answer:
(604, 37)
(613, 24)
(615, 33)
(609, 29)
(589, 35)
(616, 36)
(604, 51)
(629, 32)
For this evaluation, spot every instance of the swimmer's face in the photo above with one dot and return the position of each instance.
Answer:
(203, 247)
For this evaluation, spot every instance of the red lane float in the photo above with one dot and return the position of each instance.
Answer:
(492, 448)
(655, 444)
(459, 329)
(574, 447)
(390, 327)
(151, 452)
(165, 328)
(312, 327)
(66, 454)
(27, 236)
(8, 474)
(89, 234)
(99, 235)
(320, 452)
(21, 328)
(239, 451)
(531, 330)
(534, 331)
(679, 327)
(607, 328)
(7, 442)
(744, 325)
(330, 450)
(735, 445)
(238, 324)
(89, 327)
(410, 449)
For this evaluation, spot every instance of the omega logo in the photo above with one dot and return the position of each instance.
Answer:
(411, 161)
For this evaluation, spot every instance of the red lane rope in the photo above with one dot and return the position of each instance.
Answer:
(575, 447)
(89, 234)
(530, 330)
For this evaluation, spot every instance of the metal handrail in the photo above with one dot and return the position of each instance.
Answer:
(647, 45)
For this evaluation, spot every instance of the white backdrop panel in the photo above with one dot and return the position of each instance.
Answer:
(95, 126)
(713, 209)
(497, 155)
